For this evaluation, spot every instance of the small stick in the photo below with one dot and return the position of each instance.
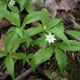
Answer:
(26, 73)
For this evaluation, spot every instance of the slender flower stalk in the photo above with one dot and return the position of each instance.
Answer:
(50, 38)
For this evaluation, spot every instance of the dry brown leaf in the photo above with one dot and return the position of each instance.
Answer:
(65, 15)
(75, 24)
(58, 4)
(67, 5)
(53, 5)
(3, 36)
(50, 5)
(4, 23)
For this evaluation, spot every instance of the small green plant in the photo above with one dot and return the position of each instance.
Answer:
(52, 37)
(11, 4)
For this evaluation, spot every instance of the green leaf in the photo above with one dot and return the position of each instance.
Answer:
(24, 62)
(44, 16)
(60, 34)
(30, 8)
(37, 42)
(2, 54)
(32, 17)
(27, 38)
(75, 46)
(41, 56)
(20, 32)
(9, 63)
(75, 34)
(3, 4)
(12, 28)
(14, 18)
(61, 59)
(60, 25)
(23, 4)
(14, 9)
(18, 56)
(16, 45)
(34, 31)
(40, 41)
(10, 40)
(56, 22)
(1, 17)
(30, 55)
(43, 41)
(6, 1)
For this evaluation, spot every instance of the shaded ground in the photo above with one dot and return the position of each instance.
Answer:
(49, 71)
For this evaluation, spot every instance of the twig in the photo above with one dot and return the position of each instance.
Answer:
(26, 73)
(78, 59)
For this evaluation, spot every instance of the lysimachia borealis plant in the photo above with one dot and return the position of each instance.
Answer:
(52, 36)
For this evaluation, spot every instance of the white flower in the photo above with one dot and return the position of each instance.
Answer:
(50, 38)
(12, 2)
(44, 27)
